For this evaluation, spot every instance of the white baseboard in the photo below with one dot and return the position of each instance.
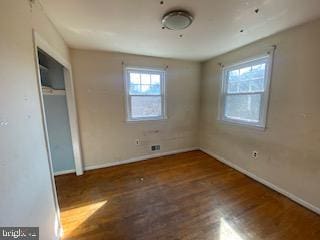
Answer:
(59, 235)
(64, 172)
(141, 158)
(219, 158)
(264, 182)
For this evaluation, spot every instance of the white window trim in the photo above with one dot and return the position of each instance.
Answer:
(162, 72)
(261, 125)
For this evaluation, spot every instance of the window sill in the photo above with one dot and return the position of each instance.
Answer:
(146, 119)
(242, 124)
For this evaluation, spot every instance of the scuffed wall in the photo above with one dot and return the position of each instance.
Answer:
(26, 191)
(289, 148)
(106, 136)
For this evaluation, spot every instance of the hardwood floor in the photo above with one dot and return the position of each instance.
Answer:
(184, 196)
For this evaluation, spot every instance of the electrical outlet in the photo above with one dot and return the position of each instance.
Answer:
(254, 154)
(155, 148)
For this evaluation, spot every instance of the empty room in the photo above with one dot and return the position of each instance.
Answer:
(160, 120)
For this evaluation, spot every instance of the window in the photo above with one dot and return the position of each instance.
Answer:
(244, 96)
(145, 94)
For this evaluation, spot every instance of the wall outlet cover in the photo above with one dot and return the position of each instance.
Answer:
(155, 148)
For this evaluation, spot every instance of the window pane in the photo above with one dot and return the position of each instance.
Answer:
(155, 89)
(145, 79)
(247, 79)
(145, 106)
(243, 107)
(258, 71)
(134, 89)
(144, 84)
(233, 75)
(258, 77)
(155, 85)
(244, 71)
(134, 78)
(145, 89)
(155, 79)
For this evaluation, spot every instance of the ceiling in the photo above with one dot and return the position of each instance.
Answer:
(134, 26)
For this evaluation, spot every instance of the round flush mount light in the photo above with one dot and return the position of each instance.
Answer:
(177, 20)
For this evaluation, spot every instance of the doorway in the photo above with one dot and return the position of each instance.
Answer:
(42, 47)
(56, 114)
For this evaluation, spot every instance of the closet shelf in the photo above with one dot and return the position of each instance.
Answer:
(50, 91)
(43, 68)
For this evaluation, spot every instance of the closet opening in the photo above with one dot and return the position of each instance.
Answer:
(59, 115)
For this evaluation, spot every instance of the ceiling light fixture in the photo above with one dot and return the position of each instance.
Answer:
(177, 20)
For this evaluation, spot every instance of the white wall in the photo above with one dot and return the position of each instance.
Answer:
(26, 188)
(105, 135)
(289, 149)
(42, 24)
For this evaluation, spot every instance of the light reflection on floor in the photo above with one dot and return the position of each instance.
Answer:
(227, 232)
(82, 213)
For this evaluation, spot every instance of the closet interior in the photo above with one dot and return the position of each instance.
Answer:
(56, 111)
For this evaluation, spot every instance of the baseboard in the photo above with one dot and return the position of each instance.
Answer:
(141, 158)
(64, 172)
(264, 182)
(60, 234)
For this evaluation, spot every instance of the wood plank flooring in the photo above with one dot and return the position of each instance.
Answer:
(183, 196)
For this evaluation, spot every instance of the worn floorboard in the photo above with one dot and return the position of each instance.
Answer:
(183, 196)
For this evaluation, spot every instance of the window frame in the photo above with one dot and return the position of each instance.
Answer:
(141, 70)
(264, 102)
